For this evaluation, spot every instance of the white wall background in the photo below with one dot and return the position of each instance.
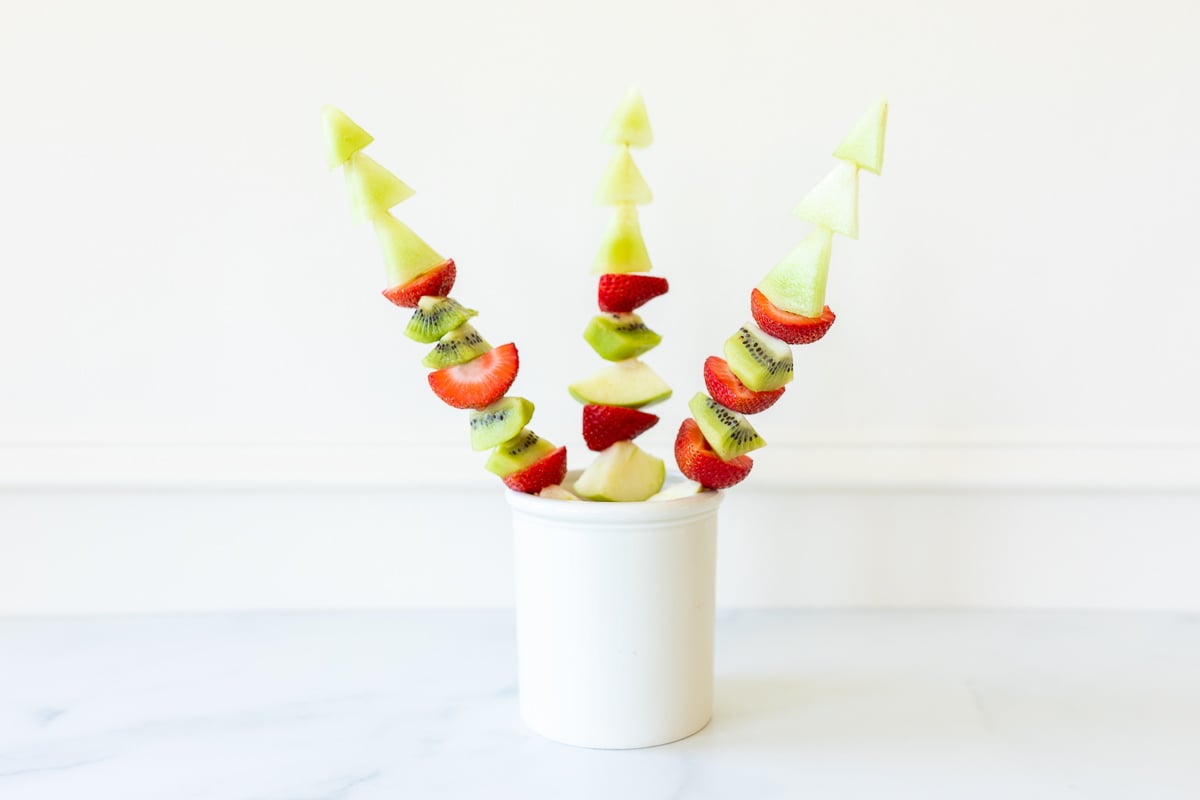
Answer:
(205, 403)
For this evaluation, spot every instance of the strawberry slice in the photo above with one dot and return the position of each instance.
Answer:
(624, 292)
(437, 282)
(696, 459)
(730, 392)
(546, 471)
(791, 328)
(607, 425)
(480, 382)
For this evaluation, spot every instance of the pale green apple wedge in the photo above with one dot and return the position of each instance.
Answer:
(372, 188)
(626, 383)
(622, 473)
(623, 182)
(797, 283)
(405, 254)
(343, 138)
(677, 491)
(630, 124)
(623, 248)
(557, 492)
(864, 144)
(833, 203)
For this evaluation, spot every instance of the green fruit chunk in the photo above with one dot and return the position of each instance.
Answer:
(502, 420)
(758, 359)
(405, 254)
(434, 317)
(626, 383)
(343, 138)
(797, 283)
(617, 337)
(457, 347)
(622, 473)
(623, 248)
(518, 453)
(833, 203)
(630, 124)
(372, 188)
(729, 432)
(623, 182)
(864, 144)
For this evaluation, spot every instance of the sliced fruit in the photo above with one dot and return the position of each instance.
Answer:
(405, 254)
(759, 360)
(864, 144)
(679, 490)
(343, 138)
(730, 392)
(617, 337)
(626, 383)
(630, 124)
(617, 292)
(479, 382)
(623, 249)
(372, 188)
(498, 422)
(791, 328)
(555, 491)
(623, 182)
(623, 473)
(436, 283)
(457, 347)
(698, 461)
(729, 433)
(548, 470)
(797, 283)
(434, 317)
(606, 425)
(833, 203)
(517, 453)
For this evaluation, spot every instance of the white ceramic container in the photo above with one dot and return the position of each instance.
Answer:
(615, 618)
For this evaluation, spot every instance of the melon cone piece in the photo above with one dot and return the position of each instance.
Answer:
(405, 254)
(623, 182)
(630, 124)
(864, 144)
(343, 138)
(372, 188)
(623, 249)
(833, 203)
(797, 283)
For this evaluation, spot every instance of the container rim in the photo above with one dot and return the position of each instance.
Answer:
(600, 513)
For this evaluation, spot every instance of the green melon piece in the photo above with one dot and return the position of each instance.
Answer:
(833, 203)
(495, 424)
(630, 124)
(372, 188)
(405, 254)
(729, 432)
(626, 383)
(797, 283)
(623, 248)
(617, 337)
(518, 453)
(457, 347)
(622, 473)
(758, 359)
(623, 182)
(434, 317)
(864, 144)
(343, 138)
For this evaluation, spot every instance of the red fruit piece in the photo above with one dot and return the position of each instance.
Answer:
(437, 282)
(606, 425)
(791, 328)
(698, 461)
(730, 392)
(624, 292)
(480, 382)
(546, 471)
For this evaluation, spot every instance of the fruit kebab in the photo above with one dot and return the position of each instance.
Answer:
(468, 373)
(788, 307)
(614, 396)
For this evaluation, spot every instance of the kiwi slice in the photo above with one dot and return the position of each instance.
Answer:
(759, 360)
(729, 433)
(434, 317)
(499, 422)
(617, 337)
(457, 347)
(517, 453)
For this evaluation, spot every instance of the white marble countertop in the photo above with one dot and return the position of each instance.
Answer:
(818, 704)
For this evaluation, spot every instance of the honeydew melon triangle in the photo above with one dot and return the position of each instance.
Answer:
(630, 124)
(797, 282)
(863, 145)
(372, 188)
(623, 248)
(833, 203)
(343, 137)
(623, 182)
(405, 254)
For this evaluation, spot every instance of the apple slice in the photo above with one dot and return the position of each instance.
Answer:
(630, 124)
(864, 144)
(833, 203)
(623, 249)
(626, 383)
(372, 188)
(797, 283)
(623, 182)
(343, 138)
(405, 254)
(623, 473)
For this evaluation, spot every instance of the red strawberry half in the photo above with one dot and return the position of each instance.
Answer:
(730, 392)
(624, 292)
(606, 425)
(546, 471)
(791, 328)
(480, 382)
(437, 282)
(696, 459)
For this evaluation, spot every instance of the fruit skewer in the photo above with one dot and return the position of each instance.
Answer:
(788, 307)
(468, 373)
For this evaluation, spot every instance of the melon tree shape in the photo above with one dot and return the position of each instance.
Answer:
(863, 145)
(833, 203)
(623, 248)
(630, 124)
(405, 254)
(623, 182)
(372, 189)
(343, 137)
(797, 283)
